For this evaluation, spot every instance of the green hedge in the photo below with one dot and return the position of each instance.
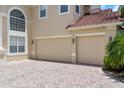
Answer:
(122, 11)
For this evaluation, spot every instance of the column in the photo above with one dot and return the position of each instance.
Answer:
(1, 31)
(73, 53)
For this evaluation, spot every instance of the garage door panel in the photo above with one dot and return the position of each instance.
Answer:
(90, 49)
(54, 49)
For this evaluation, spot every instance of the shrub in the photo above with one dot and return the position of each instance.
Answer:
(122, 11)
(114, 59)
(121, 74)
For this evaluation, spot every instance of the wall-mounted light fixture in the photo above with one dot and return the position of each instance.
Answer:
(110, 38)
(32, 42)
(73, 40)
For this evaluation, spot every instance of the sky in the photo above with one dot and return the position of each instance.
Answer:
(113, 7)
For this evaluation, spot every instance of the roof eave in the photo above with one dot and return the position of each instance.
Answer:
(95, 26)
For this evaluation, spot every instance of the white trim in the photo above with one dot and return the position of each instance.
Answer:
(17, 33)
(91, 34)
(46, 13)
(17, 18)
(79, 10)
(64, 12)
(16, 54)
(1, 30)
(28, 21)
(94, 26)
(2, 50)
(73, 54)
(2, 14)
(50, 37)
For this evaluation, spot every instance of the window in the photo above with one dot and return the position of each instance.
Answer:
(17, 21)
(17, 44)
(77, 9)
(21, 44)
(43, 11)
(13, 44)
(17, 34)
(63, 8)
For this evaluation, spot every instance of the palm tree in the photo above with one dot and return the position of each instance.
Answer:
(121, 10)
(114, 59)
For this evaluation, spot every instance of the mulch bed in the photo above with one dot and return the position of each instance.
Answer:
(115, 75)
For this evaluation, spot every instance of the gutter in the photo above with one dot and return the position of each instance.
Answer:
(94, 26)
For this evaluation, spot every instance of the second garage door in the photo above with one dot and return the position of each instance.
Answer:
(90, 49)
(55, 49)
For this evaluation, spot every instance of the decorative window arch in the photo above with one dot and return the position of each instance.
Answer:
(17, 20)
(17, 34)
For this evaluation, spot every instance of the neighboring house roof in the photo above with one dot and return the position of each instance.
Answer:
(101, 17)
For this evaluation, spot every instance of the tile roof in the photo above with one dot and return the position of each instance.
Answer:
(102, 17)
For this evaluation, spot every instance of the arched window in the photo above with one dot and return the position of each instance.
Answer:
(17, 21)
(17, 33)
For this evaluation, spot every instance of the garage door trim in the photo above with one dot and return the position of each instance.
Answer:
(52, 37)
(91, 34)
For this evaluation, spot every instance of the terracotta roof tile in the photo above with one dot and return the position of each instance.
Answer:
(102, 17)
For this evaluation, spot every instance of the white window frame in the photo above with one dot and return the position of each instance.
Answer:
(63, 12)
(40, 10)
(17, 33)
(79, 10)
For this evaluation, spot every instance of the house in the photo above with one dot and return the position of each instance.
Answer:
(64, 33)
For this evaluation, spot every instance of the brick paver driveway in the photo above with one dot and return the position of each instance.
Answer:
(30, 73)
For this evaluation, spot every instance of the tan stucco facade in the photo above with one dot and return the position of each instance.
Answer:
(55, 23)
(48, 38)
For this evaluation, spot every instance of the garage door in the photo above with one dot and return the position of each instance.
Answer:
(90, 49)
(55, 49)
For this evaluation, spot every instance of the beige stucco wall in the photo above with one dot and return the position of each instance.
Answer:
(55, 23)
(81, 13)
(94, 6)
